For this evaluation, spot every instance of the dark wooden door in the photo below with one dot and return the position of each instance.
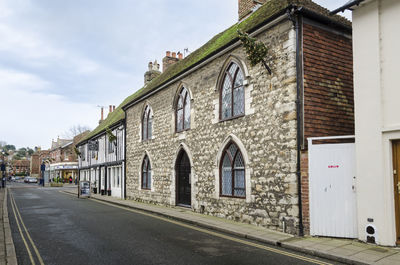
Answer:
(396, 186)
(183, 180)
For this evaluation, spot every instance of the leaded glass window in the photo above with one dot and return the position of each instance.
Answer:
(183, 111)
(232, 93)
(146, 173)
(233, 173)
(147, 124)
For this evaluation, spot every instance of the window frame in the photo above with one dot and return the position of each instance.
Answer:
(221, 162)
(178, 130)
(221, 86)
(149, 113)
(148, 164)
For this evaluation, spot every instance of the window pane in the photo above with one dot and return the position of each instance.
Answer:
(226, 176)
(187, 113)
(239, 163)
(226, 99)
(232, 69)
(150, 127)
(144, 127)
(239, 79)
(232, 150)
(149, 179)
(180, 102)
(239, 189)
(179, 118)
(238, 101)
(144, 179)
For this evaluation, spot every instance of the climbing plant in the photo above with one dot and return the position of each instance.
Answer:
(77, 152)
(256, 50)
(111, 136)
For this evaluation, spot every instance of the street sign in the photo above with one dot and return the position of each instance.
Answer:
(93, 145)
(3, 167)
(42, 167)
(84, 189)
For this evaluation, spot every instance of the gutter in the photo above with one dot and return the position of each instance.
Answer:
(348, 5)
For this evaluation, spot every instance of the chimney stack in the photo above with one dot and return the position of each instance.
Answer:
(180, 55)
(169, 60)
(109, 109)
(246, 7)
(153, 72)
(101, 115)
(113, 107)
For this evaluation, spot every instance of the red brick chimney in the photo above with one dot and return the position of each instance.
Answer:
(169, 60)
(246, 7)
(101, 115)
(109, 108)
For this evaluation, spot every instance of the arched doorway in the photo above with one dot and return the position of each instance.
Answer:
(183, 183)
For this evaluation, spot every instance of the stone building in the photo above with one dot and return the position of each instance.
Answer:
(225, 138)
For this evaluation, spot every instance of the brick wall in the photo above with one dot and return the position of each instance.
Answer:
(328, 94)
(328, 83)
(305, 192)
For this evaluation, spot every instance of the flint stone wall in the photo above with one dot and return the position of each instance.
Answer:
(266, 136)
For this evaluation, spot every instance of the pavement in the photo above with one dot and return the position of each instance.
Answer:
(7, 249)
(342, 250)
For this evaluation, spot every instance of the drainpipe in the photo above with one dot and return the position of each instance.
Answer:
(124, 160)
(296, 20)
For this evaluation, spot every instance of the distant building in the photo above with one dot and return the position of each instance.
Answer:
(36, 160)
(20, 167)
(63, 160)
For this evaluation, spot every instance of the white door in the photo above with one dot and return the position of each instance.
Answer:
(332, 190)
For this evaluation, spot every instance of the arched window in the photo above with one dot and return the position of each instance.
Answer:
(146, 173)
(147, 123)
(232, 172)
(183, 111)
(232, 93)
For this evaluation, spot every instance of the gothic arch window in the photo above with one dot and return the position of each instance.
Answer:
(232, 172)
(183, 110)
(232, 93)
(146, 173)
(147, 123)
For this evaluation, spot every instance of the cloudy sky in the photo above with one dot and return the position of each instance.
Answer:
(60, 60)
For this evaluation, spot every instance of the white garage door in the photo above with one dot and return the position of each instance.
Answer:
(333, 209)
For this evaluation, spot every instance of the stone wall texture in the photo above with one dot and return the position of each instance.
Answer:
(266, 136)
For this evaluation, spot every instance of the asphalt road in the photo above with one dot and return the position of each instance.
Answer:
(68, 230)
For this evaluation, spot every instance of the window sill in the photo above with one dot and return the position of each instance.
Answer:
(234, 197)
(232, 118)
(185, 130)
(145, 189)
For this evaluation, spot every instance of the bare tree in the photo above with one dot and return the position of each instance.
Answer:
(75, 130)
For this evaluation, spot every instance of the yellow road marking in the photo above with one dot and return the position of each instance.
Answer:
(282, 252)
(20, 232)
(27, 233)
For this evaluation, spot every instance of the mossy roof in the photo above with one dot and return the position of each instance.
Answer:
(265, 13)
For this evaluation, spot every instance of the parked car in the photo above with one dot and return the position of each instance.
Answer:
(30, 180)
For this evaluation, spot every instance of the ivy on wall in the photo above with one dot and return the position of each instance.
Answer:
(111, 136)
(256, 50)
